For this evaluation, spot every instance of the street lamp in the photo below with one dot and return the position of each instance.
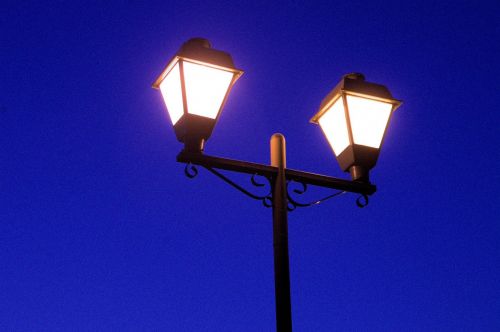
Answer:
(195, 85)
(353, 116)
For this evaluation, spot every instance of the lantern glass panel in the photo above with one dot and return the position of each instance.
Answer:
(368, 120)
(333, 124)
(172, 94)
(206, 88)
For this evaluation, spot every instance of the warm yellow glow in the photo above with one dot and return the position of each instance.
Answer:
(206, 88)
(172, 93)
(368, 120)
(333, 124)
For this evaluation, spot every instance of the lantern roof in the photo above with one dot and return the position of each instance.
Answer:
(355, 84)
(199, 50)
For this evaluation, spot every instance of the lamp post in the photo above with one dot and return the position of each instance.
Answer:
(353, 116)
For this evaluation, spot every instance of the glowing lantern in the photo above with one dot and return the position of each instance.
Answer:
(195, 85)
(354, 117)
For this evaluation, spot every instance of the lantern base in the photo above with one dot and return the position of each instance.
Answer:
(359, 173)
(193, 130)
(194, 145)
(358, 156)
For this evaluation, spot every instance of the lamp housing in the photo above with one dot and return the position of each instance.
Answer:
(195, 85)
(354, 117)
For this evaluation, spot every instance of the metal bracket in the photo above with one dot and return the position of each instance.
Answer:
(191, 171)
(211, 163)
(293, 204)
(361, 201)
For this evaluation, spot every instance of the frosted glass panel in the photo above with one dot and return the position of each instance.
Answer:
(333, 124)
(368, 120)
(172, 94)
(205, 88)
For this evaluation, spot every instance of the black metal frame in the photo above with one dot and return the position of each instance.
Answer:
(278, 198)
(194, 130)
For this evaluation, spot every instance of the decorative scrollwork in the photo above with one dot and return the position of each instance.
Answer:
(266, 199)
(190, 170)
(362, 201)
(255, 182)
(293, 204)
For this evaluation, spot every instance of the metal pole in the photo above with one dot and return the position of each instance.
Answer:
(280, 235)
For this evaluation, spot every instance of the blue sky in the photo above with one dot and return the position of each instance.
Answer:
(101, 231)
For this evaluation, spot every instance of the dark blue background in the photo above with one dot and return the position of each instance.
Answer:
(101, 231)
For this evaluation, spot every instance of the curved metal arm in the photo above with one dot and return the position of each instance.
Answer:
(191, 171)
(293, 204)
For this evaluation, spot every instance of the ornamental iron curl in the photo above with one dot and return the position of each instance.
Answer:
(190, 170)
(293, 204)
(362, 201)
